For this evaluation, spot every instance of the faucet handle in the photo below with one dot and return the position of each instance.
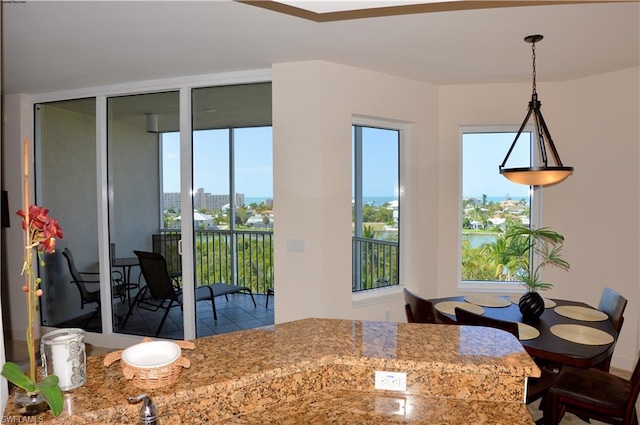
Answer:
(148, 411)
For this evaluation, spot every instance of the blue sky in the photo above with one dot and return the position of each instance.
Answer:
(253, 161)
(482, 153)
(379, 162)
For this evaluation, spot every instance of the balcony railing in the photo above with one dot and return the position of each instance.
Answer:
(251, 266)
(375, 263)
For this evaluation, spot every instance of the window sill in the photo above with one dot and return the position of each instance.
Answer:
(377, 296)
(492, 287)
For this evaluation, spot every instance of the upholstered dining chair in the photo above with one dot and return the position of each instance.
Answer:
(593, 394)
(417, 309)
(614, 305)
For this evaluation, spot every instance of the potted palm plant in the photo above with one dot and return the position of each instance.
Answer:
(543, 247)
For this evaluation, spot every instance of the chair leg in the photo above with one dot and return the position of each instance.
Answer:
(132, 305)
(164, 317)
(213, 307)
(252, 299)
(269, 292)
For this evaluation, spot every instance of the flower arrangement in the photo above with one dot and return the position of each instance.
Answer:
(40, 232)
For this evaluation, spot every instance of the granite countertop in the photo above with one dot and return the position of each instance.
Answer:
(321, 371)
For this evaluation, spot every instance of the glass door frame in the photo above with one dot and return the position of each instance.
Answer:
(184, 85)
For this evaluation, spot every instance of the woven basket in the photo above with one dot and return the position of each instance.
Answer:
(149, 378)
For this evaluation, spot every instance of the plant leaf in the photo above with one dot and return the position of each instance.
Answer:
(15, 375)
(51, 392)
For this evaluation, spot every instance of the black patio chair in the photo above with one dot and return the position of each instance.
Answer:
(81, 279)
(162, 291)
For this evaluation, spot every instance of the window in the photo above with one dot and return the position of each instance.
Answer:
(376, 206)
(491, 205)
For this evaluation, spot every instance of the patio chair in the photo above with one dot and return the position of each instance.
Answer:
(81, 279)
(162, 292)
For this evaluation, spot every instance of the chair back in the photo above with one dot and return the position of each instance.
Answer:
(614, 305)
(75, 274)
(418, 309)
(154, 269)
(465, 317)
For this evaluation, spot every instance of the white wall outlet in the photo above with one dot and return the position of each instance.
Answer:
(393, 381)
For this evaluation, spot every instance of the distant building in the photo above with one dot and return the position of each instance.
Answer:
(201, 200)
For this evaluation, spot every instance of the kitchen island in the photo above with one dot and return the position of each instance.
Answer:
(321, 371)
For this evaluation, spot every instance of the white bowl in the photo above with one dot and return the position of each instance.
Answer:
(147, 355)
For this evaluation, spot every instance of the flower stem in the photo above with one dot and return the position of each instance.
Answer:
(28, 255)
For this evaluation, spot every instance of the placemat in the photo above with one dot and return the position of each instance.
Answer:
(448, 307)
(586, 314)
(581, 334)
(526, 332)
(547, 302)
(487, 300)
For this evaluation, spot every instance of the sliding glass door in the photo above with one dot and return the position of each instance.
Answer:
(65, 172)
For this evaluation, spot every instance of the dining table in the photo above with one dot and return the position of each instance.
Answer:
(568, 332)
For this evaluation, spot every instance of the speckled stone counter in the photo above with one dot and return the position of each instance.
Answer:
(321, 371)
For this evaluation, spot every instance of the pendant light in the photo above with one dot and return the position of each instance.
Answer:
(536, 175)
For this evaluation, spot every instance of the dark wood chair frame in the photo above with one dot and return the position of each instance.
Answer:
(417, 309)
(593, 394)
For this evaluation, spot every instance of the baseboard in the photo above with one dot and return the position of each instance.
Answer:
(622, 363)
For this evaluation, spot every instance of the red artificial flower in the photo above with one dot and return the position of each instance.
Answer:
(43, 229)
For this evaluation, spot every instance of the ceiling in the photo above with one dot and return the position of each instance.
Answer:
(53, 46)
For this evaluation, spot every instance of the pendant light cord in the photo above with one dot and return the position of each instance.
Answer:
(533, 55)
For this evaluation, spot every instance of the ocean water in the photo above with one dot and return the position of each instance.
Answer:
(372, 200)
(501, 198)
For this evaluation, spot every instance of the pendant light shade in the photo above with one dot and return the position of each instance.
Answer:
(543, 174)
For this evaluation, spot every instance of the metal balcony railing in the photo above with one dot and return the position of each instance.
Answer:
(251, 265)
(375, 263)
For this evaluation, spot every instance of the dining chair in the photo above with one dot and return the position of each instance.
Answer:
(593, 394)
(417, 309)
(614, 305)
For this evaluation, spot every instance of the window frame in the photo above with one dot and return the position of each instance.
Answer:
(362, 295)
(535, 218)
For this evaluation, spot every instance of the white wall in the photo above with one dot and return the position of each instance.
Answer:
(594, 123)
(314, 104)
(18, 125)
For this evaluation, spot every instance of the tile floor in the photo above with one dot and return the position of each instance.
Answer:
(233, 314)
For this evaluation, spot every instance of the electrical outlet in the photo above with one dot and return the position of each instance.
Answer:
(393, 381)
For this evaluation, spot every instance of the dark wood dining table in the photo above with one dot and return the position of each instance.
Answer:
(548, 346)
